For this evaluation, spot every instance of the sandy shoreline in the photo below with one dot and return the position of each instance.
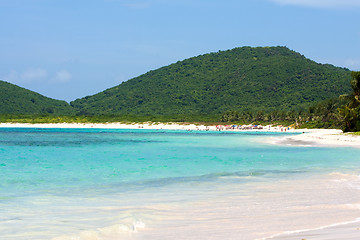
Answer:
(326, 138)
(154, 126)
(306, 137)
(320, 137)
(345, 231)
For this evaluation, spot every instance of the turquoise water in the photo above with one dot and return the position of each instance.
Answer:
(57, 183)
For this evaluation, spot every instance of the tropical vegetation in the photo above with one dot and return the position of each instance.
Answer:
(18, 100)
(243, 79)
(351, 111)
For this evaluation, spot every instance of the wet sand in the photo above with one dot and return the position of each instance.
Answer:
(347, 231)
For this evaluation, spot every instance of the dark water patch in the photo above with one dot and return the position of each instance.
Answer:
(235, 177)
(92, 190)
(294, 142)
(72, 143)
(81, 130)
(10, 219)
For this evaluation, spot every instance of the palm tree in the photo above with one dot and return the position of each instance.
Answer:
(351, 111)
(355, 85)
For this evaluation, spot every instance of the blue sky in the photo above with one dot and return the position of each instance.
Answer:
(70, 49)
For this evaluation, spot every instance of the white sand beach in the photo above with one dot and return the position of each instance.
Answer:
(347, 231)
(321, 137)
(146, 125)
(329, 138)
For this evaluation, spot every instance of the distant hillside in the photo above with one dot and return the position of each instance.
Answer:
(17, 100)
(263, 78)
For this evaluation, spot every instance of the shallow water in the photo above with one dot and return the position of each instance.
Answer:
(151, 184)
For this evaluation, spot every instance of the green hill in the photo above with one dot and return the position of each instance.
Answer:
(17, 100)
(241, 79)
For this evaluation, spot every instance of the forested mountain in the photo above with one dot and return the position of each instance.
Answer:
(263, 79)
(241, 79)
(17, 100)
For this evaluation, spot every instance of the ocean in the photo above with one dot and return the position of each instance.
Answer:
(92, 184)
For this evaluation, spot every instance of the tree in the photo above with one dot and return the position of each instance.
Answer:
(355, 85)
(351, 111)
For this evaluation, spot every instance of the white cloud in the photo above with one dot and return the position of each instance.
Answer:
(33, 74)
(353, 64)
(13, 76)
(321, 3)
(36, 75)
(62, 76)
(28, 76)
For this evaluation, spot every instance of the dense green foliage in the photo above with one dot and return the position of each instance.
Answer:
(17, 100)
(351, 111)
(51, 118)
(322, 114)
(269, 79)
